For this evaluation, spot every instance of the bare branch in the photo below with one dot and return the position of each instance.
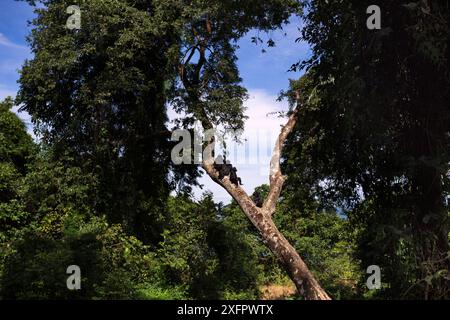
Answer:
(276, 177)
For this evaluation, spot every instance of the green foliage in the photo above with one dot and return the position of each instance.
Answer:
(96, 96)
(99, 94)
(206, 84)
(150, 292)
(321, 237)
(324, 243)
(16, 149)
(324, 240)
(56, 227)
(111, 263)
(205, 255)
(373, 135)
(16, 146)
(372, 139)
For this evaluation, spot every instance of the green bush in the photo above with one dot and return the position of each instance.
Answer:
(112, 264)
(152, 292)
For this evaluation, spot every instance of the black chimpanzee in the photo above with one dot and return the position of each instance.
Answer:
(225, 168)
(221, 166)
(258, 199)
(234, 177)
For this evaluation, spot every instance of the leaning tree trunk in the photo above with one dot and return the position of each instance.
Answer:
(261, 218)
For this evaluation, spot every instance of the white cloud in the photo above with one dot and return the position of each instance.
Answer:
(259, 106)
(4, 41)
(13, 56)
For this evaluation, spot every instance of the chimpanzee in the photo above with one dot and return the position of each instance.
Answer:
(257, 199)
(225, 168)
(234, 177)
(221, 166)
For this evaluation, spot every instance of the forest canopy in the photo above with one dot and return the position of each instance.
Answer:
(359, 175)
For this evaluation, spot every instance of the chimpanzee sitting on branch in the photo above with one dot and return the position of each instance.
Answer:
(225, 168)
(258, 199)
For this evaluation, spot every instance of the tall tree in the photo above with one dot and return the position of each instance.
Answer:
(374, 134)
(16, 152)
(16, 145)
(96, 95)
(209, 91)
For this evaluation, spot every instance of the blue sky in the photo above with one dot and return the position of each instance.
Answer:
(264, 75)
(13, 46)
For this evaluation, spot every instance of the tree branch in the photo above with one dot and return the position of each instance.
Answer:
(237, 192)
(261, 218)
(276, 177)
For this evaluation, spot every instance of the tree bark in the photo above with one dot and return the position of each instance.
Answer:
(297, 270)
(261, 218)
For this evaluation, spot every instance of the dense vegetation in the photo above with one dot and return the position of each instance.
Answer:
(376, 127)
(367, 163)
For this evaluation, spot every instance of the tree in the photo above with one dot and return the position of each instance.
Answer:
(209, 90)
(16, 145)
(323, 236)
(16, 153)
(373, 137)
(96, 96)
